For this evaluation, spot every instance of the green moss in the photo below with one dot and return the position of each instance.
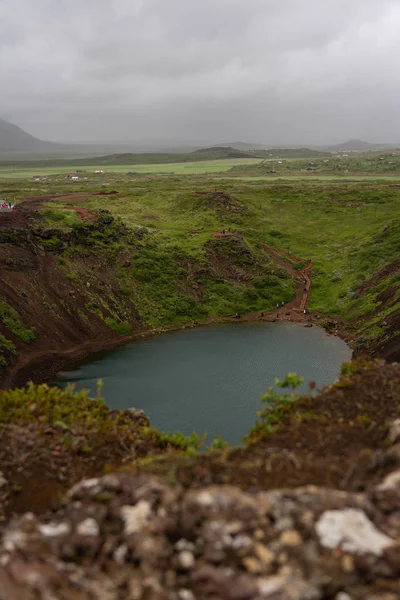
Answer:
(11, 320)
(60, 217)
(7, 349)
(120, 327)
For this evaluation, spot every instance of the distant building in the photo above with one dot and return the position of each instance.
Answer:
(74, 178)
(99, 172)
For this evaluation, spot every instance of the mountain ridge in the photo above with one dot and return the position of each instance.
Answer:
(13, 138)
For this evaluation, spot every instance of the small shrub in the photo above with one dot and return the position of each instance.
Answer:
(188, 443)
(120, 327)
(11, 319)
(6, 348)
(277, 406)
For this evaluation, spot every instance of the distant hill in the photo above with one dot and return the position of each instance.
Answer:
(245, 146)
(128, 158)
(13, 138)
(359, 146)
(219, 152)
(289, 153)
(137, 158)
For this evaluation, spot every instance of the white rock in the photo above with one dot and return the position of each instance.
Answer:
(86, 484)
(186, 560)
(136, 517)
(186, 595)
(391, 482)
(205, 499)
(88, 527)
(54, 529)
(184, 544)
(343, 596)
(120, 554)
(352, 531)
(241, 541)
(394, 431)
(14, 539)
(270, 585)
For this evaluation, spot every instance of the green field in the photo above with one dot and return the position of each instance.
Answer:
(183, 168)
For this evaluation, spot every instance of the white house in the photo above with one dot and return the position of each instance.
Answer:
(74, 178)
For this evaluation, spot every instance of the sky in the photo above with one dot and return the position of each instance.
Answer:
(202, 71)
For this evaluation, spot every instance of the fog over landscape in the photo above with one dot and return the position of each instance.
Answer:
(201, 71)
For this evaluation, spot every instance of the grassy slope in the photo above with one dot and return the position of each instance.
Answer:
(365, 164)
(340, 226)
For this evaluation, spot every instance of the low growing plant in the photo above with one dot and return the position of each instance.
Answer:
(277, 406)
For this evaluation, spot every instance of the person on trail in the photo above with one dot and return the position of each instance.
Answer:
(283, 303)
(305, 312)
(262, 315)
(277, 305)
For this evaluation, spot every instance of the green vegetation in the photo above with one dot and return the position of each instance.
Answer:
(75, 413)
(65, 218)
(130, 169)
(189, 444)
(11, 320)
(278, 405)
(330, 164)
(121, 327)
(7, 349)
(160, 240)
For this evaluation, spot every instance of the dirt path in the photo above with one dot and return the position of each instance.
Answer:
(18, 217)
(293, 310)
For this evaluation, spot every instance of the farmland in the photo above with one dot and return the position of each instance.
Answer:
(181, 168)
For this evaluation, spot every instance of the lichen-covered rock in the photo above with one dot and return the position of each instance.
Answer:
(124, 537)
(351, 531)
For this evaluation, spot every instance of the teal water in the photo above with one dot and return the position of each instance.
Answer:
(210, 379)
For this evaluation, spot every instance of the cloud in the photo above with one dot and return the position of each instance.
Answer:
(293, 71)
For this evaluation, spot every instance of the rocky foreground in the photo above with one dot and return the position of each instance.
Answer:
(128, 535)
(132, 537)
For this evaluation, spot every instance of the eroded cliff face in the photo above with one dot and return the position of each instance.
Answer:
(87, 282)
(53, 285)
(308, 509)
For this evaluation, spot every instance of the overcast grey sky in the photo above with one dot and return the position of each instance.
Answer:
(271, 71)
